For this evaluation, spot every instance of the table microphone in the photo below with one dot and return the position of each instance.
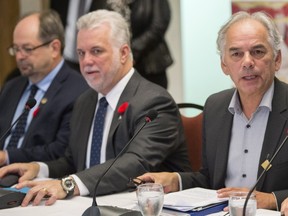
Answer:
(94, 209)
(266, 165)
(28, 106)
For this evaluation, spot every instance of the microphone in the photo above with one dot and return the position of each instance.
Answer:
(94, 209)
(266, 165)
(28, 106)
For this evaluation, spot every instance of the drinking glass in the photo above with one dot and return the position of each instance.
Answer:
(236, 204)
(150, 199)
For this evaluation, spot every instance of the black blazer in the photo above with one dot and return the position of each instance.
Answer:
(48, 134)
(216, 140)
(149, 23)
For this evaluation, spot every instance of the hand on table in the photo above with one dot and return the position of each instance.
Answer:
(169, 181)
(264, 200)
(50, 190)
(284, 207)
(26, 171)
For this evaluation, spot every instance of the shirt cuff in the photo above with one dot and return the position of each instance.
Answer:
(180, 182)
(277, 207)
(7, 161)
(43, 170)
(83, 190)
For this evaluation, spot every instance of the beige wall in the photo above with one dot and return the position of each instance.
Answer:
(9, 14)
(175, 75)
(32, 5)
(8, 17)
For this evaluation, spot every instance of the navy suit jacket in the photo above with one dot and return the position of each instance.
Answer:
(216, 140)
(160, 146)
(48, 133)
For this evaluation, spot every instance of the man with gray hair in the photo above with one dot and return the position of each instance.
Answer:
(243, 125)
(106, 117)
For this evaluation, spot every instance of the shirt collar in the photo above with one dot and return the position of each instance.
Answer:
(45, 83)
(113, 96)
(235, 105)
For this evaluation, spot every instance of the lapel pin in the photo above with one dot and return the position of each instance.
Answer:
(44, 101)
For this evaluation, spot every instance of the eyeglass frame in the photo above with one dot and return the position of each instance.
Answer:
(27, 51)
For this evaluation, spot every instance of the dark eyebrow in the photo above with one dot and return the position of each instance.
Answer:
(96, 47)
(259, 46)
(233, 49)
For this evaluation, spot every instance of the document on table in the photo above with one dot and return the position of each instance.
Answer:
(194, 199)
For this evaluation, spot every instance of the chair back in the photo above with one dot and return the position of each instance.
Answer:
(193, 133)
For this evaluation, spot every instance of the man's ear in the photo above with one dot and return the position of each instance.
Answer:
(224, 67)
(278, 60)
(124, 53)
(56, 46)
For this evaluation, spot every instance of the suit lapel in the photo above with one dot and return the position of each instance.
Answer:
(275, 131)
(128, 92)
(88, 112)
(222, 150)
(53, 90)
(15, 96)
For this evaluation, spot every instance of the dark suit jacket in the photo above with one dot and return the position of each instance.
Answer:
(48, 134)
(160, 146)
(216, 141)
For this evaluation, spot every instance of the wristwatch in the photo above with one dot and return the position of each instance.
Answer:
(68, 185)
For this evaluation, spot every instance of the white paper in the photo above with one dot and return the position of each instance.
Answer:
(191, 199)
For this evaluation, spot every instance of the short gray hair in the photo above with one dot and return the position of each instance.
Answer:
(120, 32)
(274, 37)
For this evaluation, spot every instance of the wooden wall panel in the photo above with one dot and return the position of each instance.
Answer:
(9, 13)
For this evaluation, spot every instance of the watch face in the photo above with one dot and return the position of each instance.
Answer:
(68, 184)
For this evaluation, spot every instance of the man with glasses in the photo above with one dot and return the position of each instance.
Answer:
(42, 133)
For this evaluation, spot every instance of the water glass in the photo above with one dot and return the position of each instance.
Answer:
(236, 204)
(150, 199)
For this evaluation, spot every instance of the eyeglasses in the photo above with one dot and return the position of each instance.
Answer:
(12, 50)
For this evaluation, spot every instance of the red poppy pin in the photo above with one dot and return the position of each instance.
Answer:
(42, 102)
(36, 111)
(122, 109)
